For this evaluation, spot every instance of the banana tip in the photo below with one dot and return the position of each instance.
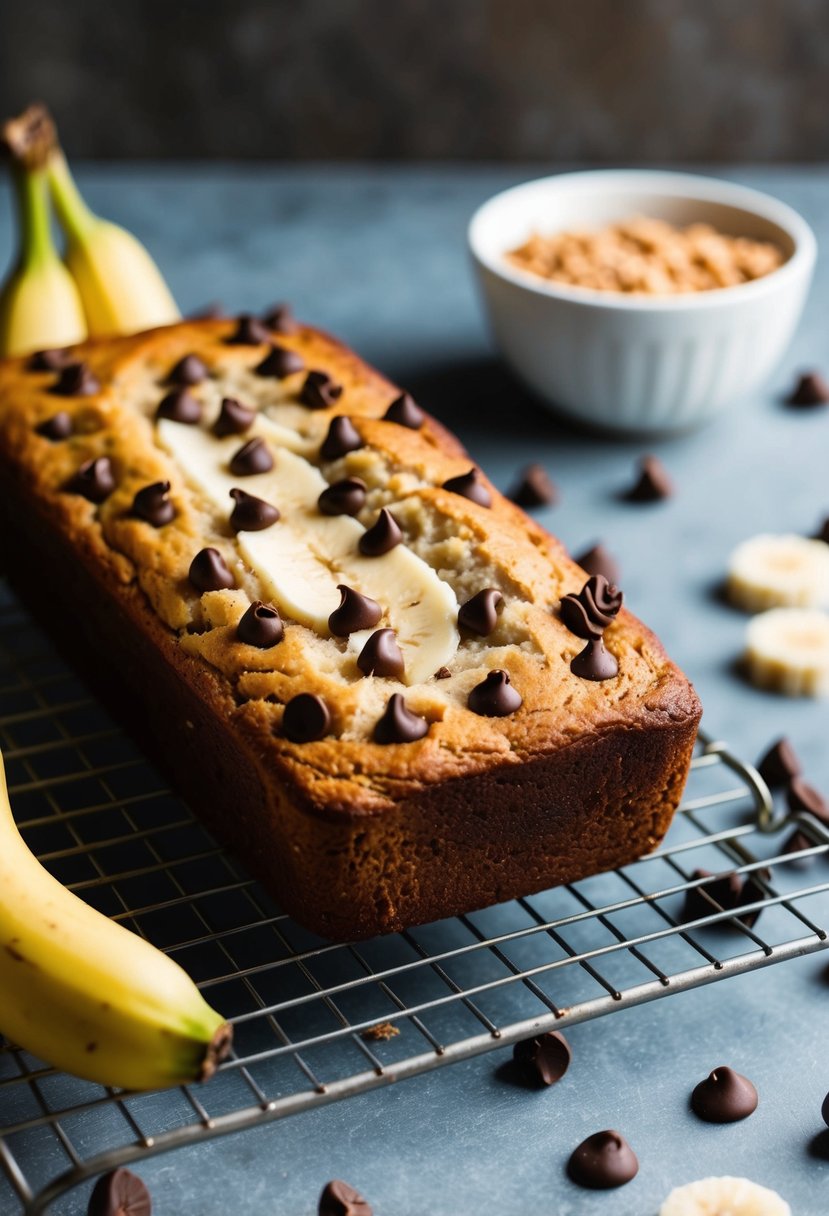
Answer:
(217, 1050)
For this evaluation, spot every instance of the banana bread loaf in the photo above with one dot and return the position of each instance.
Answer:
(355, 657)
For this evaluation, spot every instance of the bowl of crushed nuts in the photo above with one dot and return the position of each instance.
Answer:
(638, 300)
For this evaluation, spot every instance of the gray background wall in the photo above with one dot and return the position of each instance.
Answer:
(566, 80)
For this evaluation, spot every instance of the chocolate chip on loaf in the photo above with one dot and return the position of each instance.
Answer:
(589, 612)
(260, 626)
(153, 505)
(180, 406)
(76, 380)
(209, 571)
(280, 363)
(344, 497)
(480, 613)
(405, 411)
(234, 418)
(252, 457)
(251, 514)
(398, 724)
(810, 389)
(319, 391)
(188, 371)
(533, 488)
(383, 535)
(597, 560)
(355, 612)
(249, 332)
(381, 656)
(58, 427)
(494, 697)
(340, 1199)
(342, 438)
(95, 479)
(653, 483)
(469, 486)
(595, 662)
(280, 319)
(306, 718)
(49, 360)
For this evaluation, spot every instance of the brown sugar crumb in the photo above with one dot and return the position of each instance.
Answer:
(380, 1033)
(642, 256)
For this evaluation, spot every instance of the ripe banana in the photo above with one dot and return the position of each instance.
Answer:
(724, 1197)
(83, 993)
(40, 307)
(787, 650)
(120, 285)
(786, 571)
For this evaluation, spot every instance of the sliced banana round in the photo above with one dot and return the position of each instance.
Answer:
(724, 1197)
(786, 571)
(787, 650)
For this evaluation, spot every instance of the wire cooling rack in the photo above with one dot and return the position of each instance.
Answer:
(313, 1021)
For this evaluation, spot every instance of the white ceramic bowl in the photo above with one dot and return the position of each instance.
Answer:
(639, 363)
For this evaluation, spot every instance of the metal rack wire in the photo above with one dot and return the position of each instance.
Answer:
(315, 1022)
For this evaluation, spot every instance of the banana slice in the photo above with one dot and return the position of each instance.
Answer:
(779, 572)
(302, 558)
(724, 1197)
(787, 650)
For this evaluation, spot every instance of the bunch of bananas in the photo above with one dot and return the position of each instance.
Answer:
(106, 284)
(85, 994)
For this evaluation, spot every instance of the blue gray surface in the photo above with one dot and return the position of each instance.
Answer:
(378, 257)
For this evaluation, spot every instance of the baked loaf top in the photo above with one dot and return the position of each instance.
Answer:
(353, 750)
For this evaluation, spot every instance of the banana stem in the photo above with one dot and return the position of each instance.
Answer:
(34, 219)
(75, 217)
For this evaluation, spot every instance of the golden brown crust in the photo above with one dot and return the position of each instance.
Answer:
(309, 805)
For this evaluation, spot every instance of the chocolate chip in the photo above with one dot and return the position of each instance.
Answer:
(724, 1097)
(344, 497)
(533, 488)
(494, 697)
(797, 841)
(280, 319)
(602, 1161)
(180, 406)
(189, 370)
(120, 1193)
(280, 363)
(209, 571)
(653, 483)
(545, 1058)
(588, 613)
(49, 360)
(468, 486)
(306, 718)
(342, 438)
(252, 457)
(234, 418)
(260, 626)
(824, 1110)
(340, 1199)
(319, 391)
(249, 332)
(480, 613)
(595, 662)
(405, 411)
(443, 673)
(76, 380)
(598, 561)
(810, 389)
(800, 796)
(730, 892)
(381, 656)
(153, 505)
(59, 426)
(251, 514)
(398, 724)
(355, 612)
(95, 479)
(779, 764)
(823, 531)
(383, 535)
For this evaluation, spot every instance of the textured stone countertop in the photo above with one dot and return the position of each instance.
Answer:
(378, 257)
